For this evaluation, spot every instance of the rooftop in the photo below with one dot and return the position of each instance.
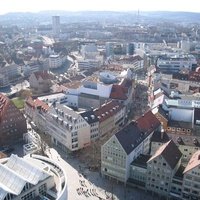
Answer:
(16, 172)
(179, 139)
(148, 122)
(107, 110)
(42, 74)
(73, 85)
(130, 137)
(170, 152)
(53, 56)
(118, 92)
(160, 137)
(4, 102)
(179, 173)
(90, 117)
(194, 162)
(37, 103)
(141, 161)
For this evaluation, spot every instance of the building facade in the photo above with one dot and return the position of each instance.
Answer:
(125, 146)
(40, 82)
(191, 180)
(12, 122)
(161, 168)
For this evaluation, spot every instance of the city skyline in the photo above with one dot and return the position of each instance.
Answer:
(89, 5)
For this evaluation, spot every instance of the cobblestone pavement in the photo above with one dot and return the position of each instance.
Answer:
(86, 184)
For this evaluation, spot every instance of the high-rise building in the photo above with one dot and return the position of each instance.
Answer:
(109, 49)
(56, 25)
(130, 49)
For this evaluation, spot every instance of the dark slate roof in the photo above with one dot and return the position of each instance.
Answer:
(158, 137)
(170, 152)
(179, 173)
(130, 137)
(90, 117)
(141, 161)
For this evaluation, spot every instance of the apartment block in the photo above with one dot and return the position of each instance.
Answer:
(111, 116)
(67, 128)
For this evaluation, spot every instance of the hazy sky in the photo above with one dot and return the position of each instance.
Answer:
(77, 5)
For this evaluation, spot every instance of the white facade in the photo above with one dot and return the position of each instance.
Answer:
(55, 61)
(119, 167)
(93, 88)
(176, 63)
(67, 128)
(88, 64)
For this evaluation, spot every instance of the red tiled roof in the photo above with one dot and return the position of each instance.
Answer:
(148, 122)
(61, 88)
(37, 103)
(4, 102)
(43, 74)
(108, 110)
(126, 83)
(118, 92)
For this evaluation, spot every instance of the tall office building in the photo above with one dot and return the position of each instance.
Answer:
(56, 25)
(109, 49)
(130, 49)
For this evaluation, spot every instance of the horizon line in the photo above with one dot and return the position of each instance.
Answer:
(122, 11)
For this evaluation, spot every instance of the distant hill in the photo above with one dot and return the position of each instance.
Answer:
(175, 16)
(67, 16)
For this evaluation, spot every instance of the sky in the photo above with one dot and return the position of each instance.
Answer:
(96, 5)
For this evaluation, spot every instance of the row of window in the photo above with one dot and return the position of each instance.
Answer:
(157, 187)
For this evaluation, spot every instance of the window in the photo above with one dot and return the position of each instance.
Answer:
(186, 189)
(42, 189)
(29, 196)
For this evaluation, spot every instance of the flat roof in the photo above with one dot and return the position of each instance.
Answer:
(52, 96)
(141, 161)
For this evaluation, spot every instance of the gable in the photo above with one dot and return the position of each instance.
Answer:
(114, 143)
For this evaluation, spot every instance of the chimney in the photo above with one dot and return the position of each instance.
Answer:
(162, 132)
